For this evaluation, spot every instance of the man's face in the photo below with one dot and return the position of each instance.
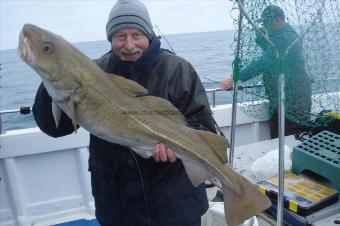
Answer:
(129, 44)
(272, 24)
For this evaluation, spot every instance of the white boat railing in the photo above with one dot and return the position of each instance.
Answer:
(27, 110)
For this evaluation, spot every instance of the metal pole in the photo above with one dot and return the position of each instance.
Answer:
(21, 110)
(1, 130)
(9, 111)
(235, 89)
(281, 133)
(233, 126)
(214, 98)
(281, 120)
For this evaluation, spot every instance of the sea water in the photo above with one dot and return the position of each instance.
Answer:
(210, 53)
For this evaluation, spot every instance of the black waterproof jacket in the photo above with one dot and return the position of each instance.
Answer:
(128, 189)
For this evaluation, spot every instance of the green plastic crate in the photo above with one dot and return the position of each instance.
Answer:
(321, 155)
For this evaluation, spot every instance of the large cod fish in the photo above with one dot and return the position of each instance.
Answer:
(111, 107)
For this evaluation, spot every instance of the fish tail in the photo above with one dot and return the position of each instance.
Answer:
(241, 206)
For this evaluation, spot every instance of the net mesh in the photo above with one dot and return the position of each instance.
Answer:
(308, 57)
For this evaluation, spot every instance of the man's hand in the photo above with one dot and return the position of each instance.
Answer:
(163, 153)
(227, 83)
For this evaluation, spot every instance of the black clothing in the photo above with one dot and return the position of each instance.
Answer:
(128, 189)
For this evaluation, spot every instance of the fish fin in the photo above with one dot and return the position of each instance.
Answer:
(128, 86)
(165, 108)
(57, 94)
(196, 173)
(248, 202)
(143, 152)
(56, 112)
(218, 144)
(216, 182)
(72, 112)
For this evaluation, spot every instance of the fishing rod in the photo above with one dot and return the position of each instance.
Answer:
(162, 35)
(21, 110)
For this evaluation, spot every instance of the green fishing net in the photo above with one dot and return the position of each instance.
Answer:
(309, 60)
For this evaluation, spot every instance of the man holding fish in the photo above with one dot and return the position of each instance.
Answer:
(141, 99)
(129, 189)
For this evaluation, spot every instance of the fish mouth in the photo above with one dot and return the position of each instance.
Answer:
(24, 49)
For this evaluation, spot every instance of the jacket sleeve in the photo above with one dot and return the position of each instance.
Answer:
(268, 61)
(187, 93)
(264, 64)
(42, 113)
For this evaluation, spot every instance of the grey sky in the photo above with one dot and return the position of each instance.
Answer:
(79, 21)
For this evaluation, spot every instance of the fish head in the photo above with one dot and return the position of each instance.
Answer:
(51, 56)
(61, 66)
(41, 50)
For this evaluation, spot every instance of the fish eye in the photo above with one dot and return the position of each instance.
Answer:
(48, 47)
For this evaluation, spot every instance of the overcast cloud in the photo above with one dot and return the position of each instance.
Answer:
(79, 21)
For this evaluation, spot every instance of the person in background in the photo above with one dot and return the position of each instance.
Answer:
(297, 81)
(129, 190)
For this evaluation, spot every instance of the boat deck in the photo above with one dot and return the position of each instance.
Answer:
(247, 154)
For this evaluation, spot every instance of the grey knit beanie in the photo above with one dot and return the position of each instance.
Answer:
(129, 14)
(272, 11)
